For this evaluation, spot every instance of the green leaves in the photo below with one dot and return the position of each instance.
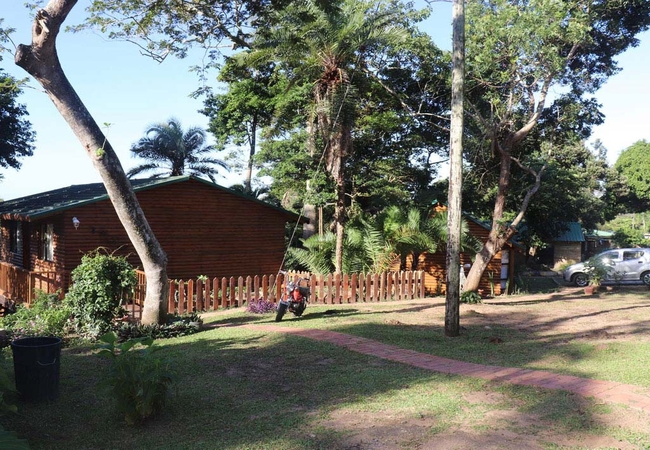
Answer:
(634, 165)
(100, 283)
(139, 379)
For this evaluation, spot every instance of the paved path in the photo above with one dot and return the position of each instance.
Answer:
(634, 396)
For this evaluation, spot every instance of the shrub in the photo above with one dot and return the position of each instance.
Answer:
(139, 379)
(100, 283)
(176, 325)
(470, 297)
(261, 306)
(48, 316)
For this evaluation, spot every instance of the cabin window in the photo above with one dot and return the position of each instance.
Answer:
(47, 242)
(15, 237)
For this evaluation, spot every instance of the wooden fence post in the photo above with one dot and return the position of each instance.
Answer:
(171, 299)
(199, 295)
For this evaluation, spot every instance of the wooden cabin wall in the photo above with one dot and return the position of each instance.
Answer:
(434, 265)
(203, 230)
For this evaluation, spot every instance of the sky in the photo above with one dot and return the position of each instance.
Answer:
(129, 91)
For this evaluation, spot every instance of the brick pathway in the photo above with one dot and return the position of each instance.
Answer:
(634, 396)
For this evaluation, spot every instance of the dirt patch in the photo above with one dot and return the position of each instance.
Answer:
(500, 428)
(503, 423)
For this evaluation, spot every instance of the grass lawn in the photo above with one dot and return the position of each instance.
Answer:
(238, 388)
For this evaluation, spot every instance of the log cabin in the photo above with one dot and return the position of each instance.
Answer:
(497, 279)
(204, 228)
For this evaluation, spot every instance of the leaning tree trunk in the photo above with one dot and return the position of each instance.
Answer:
(454, 229)
(500, 233)
(40, 60)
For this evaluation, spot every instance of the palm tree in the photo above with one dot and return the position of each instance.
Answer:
(330, 46)
(413, 232)
(170, 151)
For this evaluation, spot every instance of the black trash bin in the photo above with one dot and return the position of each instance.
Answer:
(36, 367)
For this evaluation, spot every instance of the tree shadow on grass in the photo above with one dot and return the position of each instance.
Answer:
(240, 388)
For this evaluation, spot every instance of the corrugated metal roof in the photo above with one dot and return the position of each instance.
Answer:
(52, 202)
(572, 234)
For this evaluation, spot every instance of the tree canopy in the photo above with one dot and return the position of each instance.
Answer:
(634, 165)
(16, 134)
(517, 52)
(171, 151)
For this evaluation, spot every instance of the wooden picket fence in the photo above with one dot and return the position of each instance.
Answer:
(213, 294)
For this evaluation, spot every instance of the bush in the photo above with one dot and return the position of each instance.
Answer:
(140, 380)
(48, 316)
(470, 297)
(261, 306)
(176, 325)
(99, 284)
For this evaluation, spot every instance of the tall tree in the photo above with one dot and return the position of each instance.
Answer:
(516, 52)
(634, 165)
(40, 60)
(452, 294)
(326, 45)
(400, 132)
(238, 116)
(171, 151)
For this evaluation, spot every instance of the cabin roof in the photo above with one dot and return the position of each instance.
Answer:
(38, 206)
(573, 233)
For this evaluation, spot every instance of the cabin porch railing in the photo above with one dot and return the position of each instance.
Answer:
(19, 285)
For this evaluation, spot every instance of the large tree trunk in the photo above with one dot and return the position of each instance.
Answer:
(452, 304)
(41, 61)
(339, 145)
(336, 165)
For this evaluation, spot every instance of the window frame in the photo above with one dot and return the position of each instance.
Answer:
(46, 244)
(15, 237)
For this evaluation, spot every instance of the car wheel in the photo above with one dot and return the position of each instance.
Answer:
(581, 279)
(645, 277)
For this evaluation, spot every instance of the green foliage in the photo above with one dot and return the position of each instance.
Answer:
(47, 316)
(170, 151)
(140, 380)
(374, 243)
(470, 297)
(596, 270)
(174, 326)
(634, 165)
(100, 283)
(630, 229)
(16, 135)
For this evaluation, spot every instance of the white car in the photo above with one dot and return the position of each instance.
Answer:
(624, 265)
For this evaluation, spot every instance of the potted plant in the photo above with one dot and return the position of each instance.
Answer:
(596, 271)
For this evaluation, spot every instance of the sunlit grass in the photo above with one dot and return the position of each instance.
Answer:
(241, 388)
